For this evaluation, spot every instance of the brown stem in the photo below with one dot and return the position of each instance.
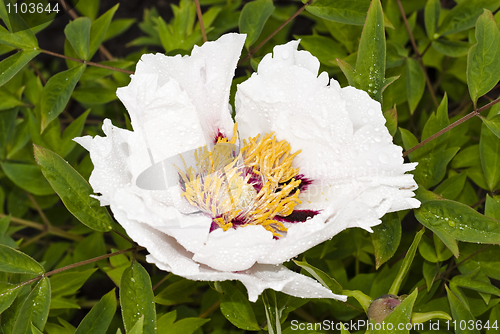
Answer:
(481, 201)
(451, 126)
(200, 20)
(210, 310)
(51, 229)
(91, 63)
(38, 74)
(81, 263)
(250, 53)
(162, 281)
(417, 53)
(40, 211)
(124, 237)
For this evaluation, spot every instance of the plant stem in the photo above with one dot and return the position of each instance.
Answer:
(91, 63)
(451, 126)
(200, 20)
(81, 263)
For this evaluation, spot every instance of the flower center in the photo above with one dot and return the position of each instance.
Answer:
(249, 187)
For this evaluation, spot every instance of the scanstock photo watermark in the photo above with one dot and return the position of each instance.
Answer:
(327, 325)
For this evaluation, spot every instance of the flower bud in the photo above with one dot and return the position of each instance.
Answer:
(381, 307)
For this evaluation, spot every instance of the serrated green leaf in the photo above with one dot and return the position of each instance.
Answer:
(28, 177)
(98, 319)
(73, 189)
(137, 299)
(459, 221)
(13, 64)
(78, 34)
(431, 16)
(35, 308)
(405, 266)
(320, 276)
(99, 29)
(370, 61)
(342, 11)
(489, 150)
(464, 15)
(415, 83)
(236, 308)
(451, 48)
(386, 238)
(253, 17)
(8, 292)
(14, 261)
(483, 72)
(57, 92)
(400, 315)
(460, 313)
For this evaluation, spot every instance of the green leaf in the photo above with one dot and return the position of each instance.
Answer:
(14, 261)
(418, 318)
(405, 266)
(468, 281)
(489, 150)
(35, 330)
(67, 144)
(137, 299)
(24, 39)
(430, 271)
(483, 71)
(28, 177)
(35, 308)
(492, 207)
(370, 62)
(8, 292)
(400, 315)
(99, 29)
(464, 15)
(451, 187)
(177, 293)
(320, 276)
(98, 319)
(73, 189)
(13, 64)
(272, 312)
(494, 316)
(492, 123)
(324, 48)
(78, 34)
(57, 92)
(431, 15)
(391, 120)
(253, 17)
(386, 238)
(458, 221)
(9, 100)
(451, 48)
(236, 308)
(415, 83)
(88, 8)
(166, 324)
(348, 71)
(94, 95)
(460, 313)
(362, 299)
(68, 283)
(342, 11)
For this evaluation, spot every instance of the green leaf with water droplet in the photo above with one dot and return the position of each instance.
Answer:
(14, 261)
(56, 93)
(321, 276)
(460, 313)
(405, 266)
(253, 17)
(431, 16)
(415, 83)
(489, 150)
(343, 11)
(401, 315)
(73, 189)
(78, 34)
(8, 293)
(11, 65)
(456, 220)
(483, 72)
(98, 319)
(137, 299)
(35, 308)
(370, 62)
(386, 238)
(236, 308)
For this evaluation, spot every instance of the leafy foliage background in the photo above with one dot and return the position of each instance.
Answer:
(434, 66)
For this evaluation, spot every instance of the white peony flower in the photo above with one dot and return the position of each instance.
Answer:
(308, 160)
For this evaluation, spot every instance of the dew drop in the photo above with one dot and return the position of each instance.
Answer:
(383, 158)
(451, 223)
(285, 54)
